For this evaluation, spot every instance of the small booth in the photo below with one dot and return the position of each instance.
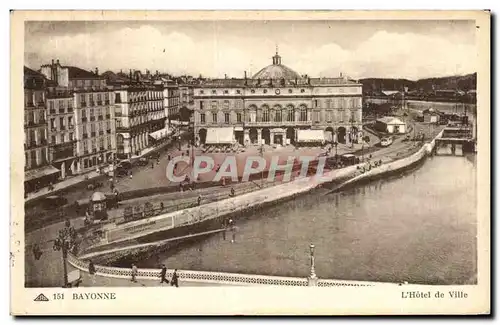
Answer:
(98, 206)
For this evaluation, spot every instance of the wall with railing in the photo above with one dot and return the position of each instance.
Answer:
(216, 277)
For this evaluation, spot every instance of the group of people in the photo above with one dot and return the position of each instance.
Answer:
(174, 281)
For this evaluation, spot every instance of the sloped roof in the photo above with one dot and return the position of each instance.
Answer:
(77, 73)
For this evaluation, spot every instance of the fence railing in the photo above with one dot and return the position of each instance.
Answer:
(215, 277)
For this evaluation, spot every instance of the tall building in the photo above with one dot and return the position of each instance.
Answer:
(140, 115)
(88, 123)
(38, 171)
(171, 91)
(278, 106)
(61, 130)
(186, 101)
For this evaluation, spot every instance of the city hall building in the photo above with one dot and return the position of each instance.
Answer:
(277, 106)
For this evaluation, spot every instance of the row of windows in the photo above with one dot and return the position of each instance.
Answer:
(60, 104)
(97, 144)
(32, 117)
(96, 127)
(327, 103)
(33, 96)
(91, 98)
(279, 116)
(96, 112)
(290, 90)
(62, 138)
(36, 158)
(64, 123)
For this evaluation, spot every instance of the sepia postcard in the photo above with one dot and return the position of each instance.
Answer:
(250, 163)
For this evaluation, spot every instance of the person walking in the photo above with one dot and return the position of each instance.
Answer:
(163, 274)
(134, 273)
(92, 272)
(175, 279)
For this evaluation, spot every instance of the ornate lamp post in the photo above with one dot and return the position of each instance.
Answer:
(64, 241)
(313, 279)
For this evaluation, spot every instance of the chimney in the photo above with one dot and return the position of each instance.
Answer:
(96, 71)
(130, 75)
(52, 61)
(341, 75)
(245, 74)
(57, 61)
(225, 76)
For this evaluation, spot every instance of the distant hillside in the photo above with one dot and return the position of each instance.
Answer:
(463, 83)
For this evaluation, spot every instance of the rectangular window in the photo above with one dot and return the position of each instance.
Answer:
(202, 118)
(118, 98)
(51, 104)
(71, 137)
(53, 139)
(226, 118)
(52, 123)
(238, 117)
(226, 104)
(61, 123)
(214, 104)
(201, 105)
(214, 117)
(315, 103)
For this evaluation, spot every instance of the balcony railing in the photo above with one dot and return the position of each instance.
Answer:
(63, 127)
(52, 111)
(85, 152)
(101, 132)
(83, 104)
(91, 103)
(61, 110)
(100, 118)
(29, 104)
(99, 102)
(70, 109)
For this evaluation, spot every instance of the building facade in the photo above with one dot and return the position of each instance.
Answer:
(140, 115)
(186, 102)
(82, 124)
(38, 171)
(61, 130)
(171, 98)
(275, 103)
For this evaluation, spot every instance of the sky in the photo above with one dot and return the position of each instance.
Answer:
(359, 49)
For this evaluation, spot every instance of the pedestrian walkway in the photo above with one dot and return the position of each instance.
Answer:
(101, 281)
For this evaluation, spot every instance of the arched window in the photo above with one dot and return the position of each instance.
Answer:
(303, 114)
(290, 114)
(265, 113)
(277, 115)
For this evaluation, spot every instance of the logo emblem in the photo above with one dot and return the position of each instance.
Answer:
(41, 297)
(277, 91)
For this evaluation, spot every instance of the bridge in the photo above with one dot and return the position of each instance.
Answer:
(462, 135)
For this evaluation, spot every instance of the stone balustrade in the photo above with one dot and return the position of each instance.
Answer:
(217, 277)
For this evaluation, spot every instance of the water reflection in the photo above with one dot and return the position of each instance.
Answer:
(420, 228)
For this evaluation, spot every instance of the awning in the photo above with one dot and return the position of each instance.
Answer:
(220, 136)
(310, 136)
(40, 172)
(160, 134)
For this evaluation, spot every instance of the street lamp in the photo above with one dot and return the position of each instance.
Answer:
(313, 279)
(64, 241)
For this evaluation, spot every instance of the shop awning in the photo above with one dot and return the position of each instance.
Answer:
(310, 136)
(160, 134)
(220, 136)
(40, 172)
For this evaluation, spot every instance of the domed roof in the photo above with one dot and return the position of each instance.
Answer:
(276, 71)
(98, 196)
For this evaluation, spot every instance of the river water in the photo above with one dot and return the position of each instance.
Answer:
(418, 227)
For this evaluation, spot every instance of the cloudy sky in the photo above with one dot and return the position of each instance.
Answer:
(400, 49)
